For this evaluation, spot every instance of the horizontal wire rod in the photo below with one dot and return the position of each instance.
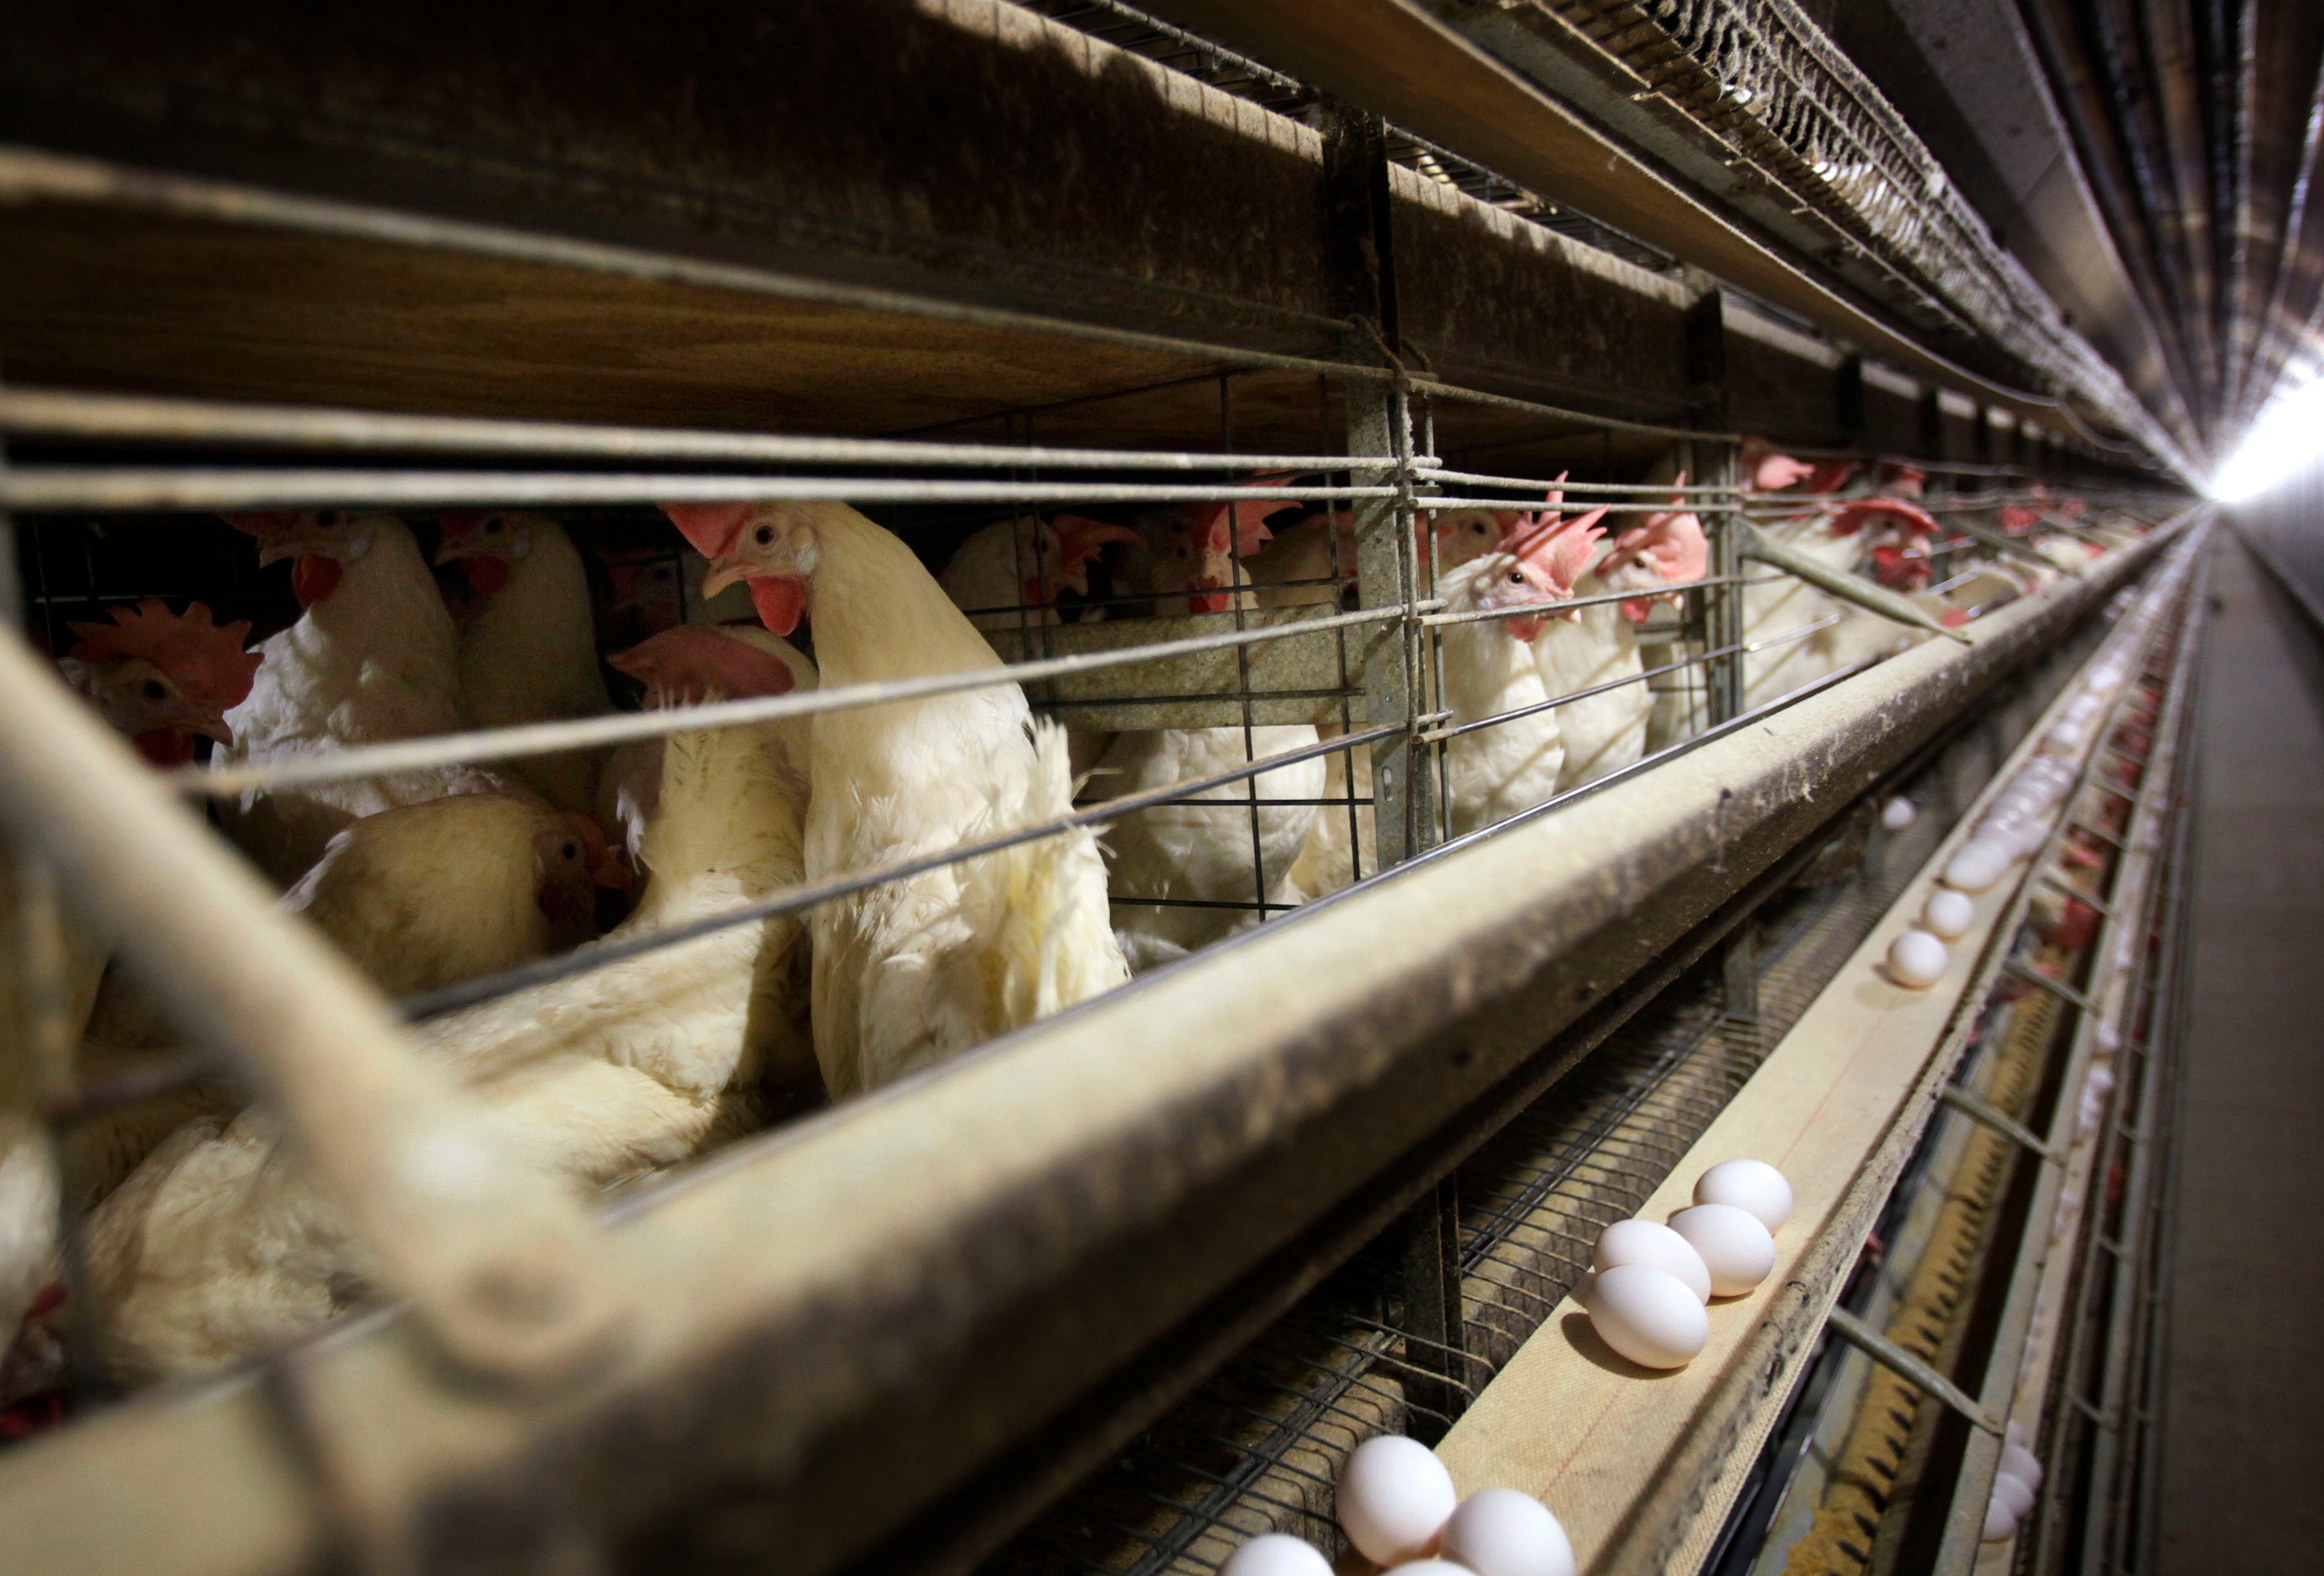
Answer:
(60, 413)
(1459, 396)
(1422, 471)
(1485, 615)
(807, 895)
(619, 728)
(58, 488)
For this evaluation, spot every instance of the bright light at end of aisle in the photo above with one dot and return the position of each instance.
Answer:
(2287, 437)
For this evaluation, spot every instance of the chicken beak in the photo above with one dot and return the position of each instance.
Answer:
(275, 548)
(722, 574)
(212, 727)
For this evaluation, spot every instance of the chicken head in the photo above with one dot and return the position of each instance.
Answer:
(1075, 543)
(770, 547)
(571, 860)
(1898, 532)
(697, 662)
(319, 543)
(484, 543)
(1666, 548)
(1543, 567)
(162, 678)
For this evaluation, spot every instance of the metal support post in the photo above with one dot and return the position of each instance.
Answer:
(1435, 1349)
(1361, 272)
(1716, 463)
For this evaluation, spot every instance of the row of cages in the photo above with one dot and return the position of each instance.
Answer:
(674, 786)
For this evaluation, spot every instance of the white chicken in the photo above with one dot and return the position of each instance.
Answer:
(1895, 535)
(426, 894)
(1493, 771)
(374, 658)
(528, 642)
(218, 1245)
(1307, 564)
(1345, 840)
(912, 970)
(1776, 606)
(1189, 557)
(1010, 574)
(417, 897)
(161, 678)
(1200, 852)
(686, 665)
(1598, 645)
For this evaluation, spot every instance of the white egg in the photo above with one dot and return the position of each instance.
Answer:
(1898, 814)
(1977, 864)
(2108, 1040)
(1430, 1568)
(2013, 1432)
(1394, 1497)
(1276, 1554)
(1748, 1184)
(1737, 1247)
(2011, 1491)
(1500, 1532)
(2065, 738)
(2022, 1464)
(1657, 1247)
(1999, 1524)
(1917, 960)
(1948, 914)
(1649, 1316)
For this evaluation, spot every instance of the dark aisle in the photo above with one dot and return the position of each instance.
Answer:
(2242, 1457)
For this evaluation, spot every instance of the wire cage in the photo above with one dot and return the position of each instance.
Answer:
(1332, 656)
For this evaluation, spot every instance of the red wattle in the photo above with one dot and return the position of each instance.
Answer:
(486, 575)
(781, 600)
(313, 578)
(1207, 602)
(165, 746)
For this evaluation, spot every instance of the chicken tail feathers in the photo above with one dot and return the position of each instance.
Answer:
(1044, 900)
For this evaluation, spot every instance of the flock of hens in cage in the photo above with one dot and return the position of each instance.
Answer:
(201, 1243)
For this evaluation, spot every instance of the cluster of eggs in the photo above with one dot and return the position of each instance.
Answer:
(1399, 1508)
(2016, 826)
(2013, 1486)
(1649, 1293)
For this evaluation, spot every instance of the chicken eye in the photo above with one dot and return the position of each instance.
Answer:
(764, 536)
(328, 519)
(155, 692)
(571, 851)
(1516, 576)
(493, 526)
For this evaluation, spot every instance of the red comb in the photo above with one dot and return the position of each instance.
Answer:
(1851, 518)
(1080, 539)
(712, 528)
(1562, 548)
(207, 663)
(1248, 520)
(1777, 471)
